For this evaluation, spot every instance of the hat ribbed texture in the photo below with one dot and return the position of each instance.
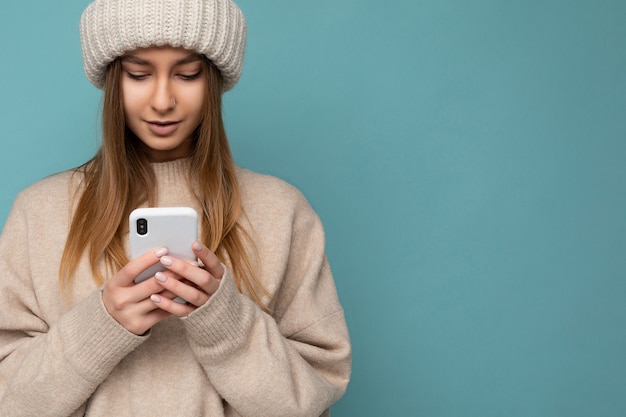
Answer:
(214, 28)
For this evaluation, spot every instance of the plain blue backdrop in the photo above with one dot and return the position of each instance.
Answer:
(468, 160)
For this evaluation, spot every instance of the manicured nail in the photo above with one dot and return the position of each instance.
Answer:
(160, 276)
(197, 246)
(193, 263)
(160, 252)
(155, 298)
(167, 261)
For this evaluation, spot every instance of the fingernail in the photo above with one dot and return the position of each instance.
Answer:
(155, 298)
(197, 246)
(193, 263)
(160, 276)
(167, 261)
(160, 252)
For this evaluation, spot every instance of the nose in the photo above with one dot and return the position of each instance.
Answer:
(163, 99)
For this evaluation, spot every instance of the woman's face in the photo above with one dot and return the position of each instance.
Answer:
(163, 96)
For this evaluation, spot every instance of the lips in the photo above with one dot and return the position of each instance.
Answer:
(164, 128)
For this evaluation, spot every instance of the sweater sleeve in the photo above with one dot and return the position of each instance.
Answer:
(49, 369)
(295, 362)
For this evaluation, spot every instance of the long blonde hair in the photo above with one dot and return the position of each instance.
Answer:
(119, 178)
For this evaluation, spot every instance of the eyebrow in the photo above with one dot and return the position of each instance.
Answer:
(139, 61)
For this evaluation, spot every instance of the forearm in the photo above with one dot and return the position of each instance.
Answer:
(258, 370)
(54, 373)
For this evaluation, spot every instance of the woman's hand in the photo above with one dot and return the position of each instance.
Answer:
(188, 281)
(129, 303)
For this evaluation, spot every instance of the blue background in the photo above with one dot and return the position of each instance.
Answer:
(468, 162)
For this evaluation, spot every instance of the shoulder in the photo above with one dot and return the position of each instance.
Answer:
(268, 192)
(273, 206)
(54, 182)
(52, 192)
(43, 206)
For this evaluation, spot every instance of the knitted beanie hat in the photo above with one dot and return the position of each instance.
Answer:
(214, 28)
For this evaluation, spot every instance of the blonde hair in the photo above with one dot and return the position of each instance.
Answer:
(119, 178)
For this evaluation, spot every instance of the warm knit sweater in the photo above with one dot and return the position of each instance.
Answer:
(227, 358)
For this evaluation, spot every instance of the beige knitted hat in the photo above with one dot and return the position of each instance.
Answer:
(214, 28)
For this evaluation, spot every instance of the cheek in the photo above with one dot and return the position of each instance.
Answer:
(196, 95)
(196, 100)
(130, 108)
(132, 99)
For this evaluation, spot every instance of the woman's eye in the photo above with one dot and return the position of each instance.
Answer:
(189, 77)
(136, 76)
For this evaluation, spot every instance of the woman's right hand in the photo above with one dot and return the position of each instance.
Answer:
(129, 303)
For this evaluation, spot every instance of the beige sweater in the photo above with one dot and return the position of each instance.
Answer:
(227, 358)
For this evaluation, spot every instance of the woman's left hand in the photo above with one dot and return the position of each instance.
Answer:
(188, 281)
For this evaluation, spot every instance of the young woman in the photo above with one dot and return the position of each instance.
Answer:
(262, 332)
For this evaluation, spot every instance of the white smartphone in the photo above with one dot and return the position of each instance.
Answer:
(176, 228)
